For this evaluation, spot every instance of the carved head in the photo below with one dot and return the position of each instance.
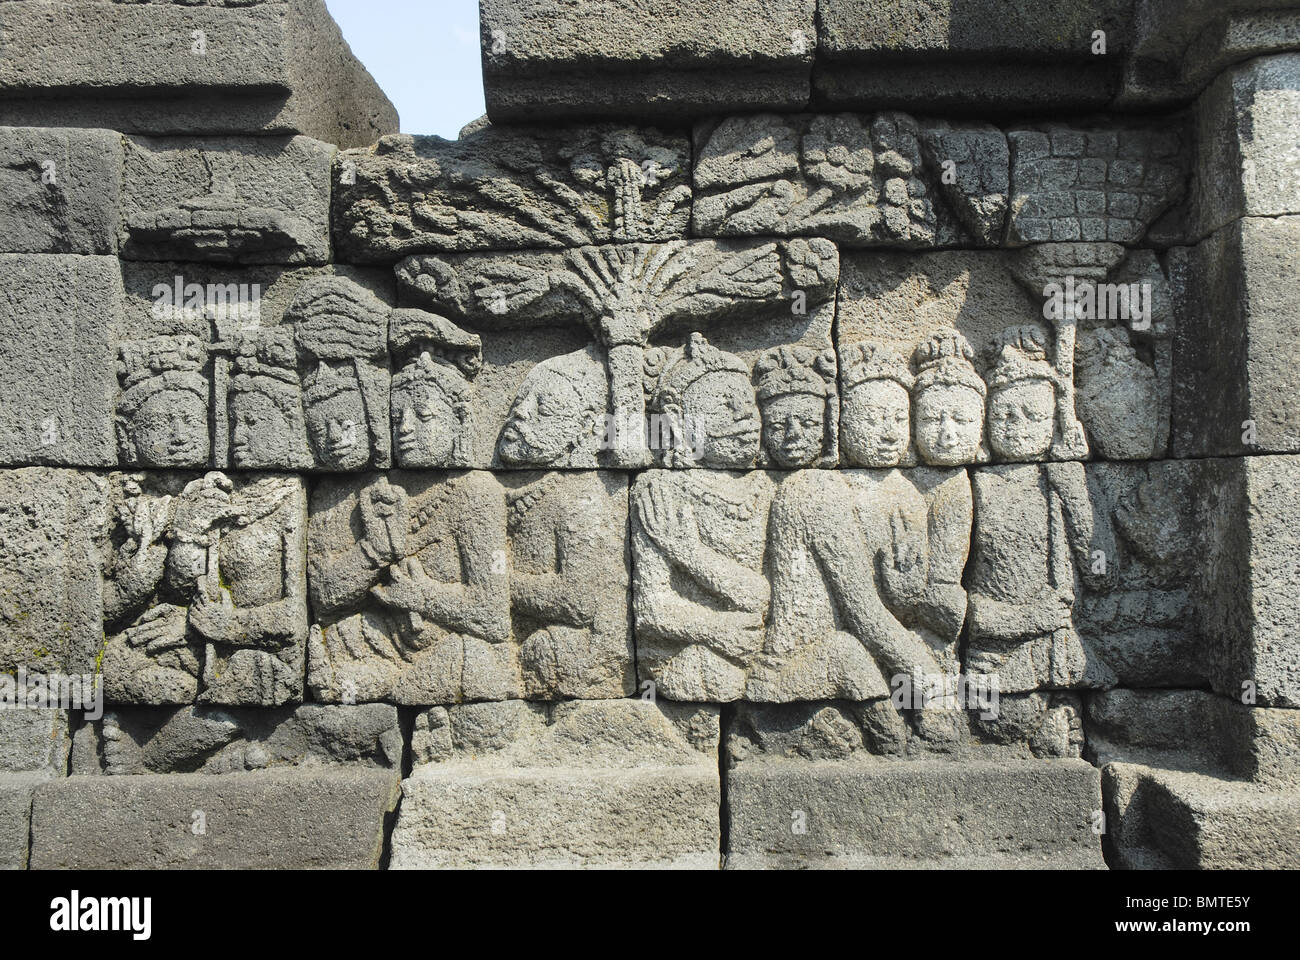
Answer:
(432, 390)
(337, 425)
(557, 417)
(796, 394)
(709, 403)
(1022, 396)
(341, 329)
(162, 413)
(948, 399)
(875, 414)
(267, 426)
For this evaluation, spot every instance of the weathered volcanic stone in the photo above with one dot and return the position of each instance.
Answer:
(59, 190)
(58, 360)
(218, 740)
(1234, 390)
(1173, 819)
(923, 813)
(50, 604)
(228, 200)
(598, 784)
(16, 791)
(284, 820)
(275, 67)
(1194, 730)
(987, 54)
(583, 58)
(34, 741)
(511, 188)
(1247, 164)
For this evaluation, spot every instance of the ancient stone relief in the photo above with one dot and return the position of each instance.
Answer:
(205, 594)
(997, 363)
(621, 311)
(526, 188)
(441, 588)
(226, 200)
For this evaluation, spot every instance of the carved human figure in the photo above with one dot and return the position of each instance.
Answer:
(699, 541)
(1022, 397)
(568, 578)
(948, 401)
(799, 404)
(206, 598)
(268, 429)
(432, 389)
(162, 412)
(1036, 534)
(341, 330)
(409, 587)
(875, 418)
(558, 416)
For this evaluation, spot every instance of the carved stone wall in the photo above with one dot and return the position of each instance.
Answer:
(834, 430)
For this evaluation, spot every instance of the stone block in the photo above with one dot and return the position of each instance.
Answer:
(142, 740)
(1233, 379)
(57, 357)
(1181, 820)
(205, 589)
(279, 66)
(511, 188)
(50, 602)
(34, 741)
(16, 791)
(655, 59)
(59, 190)
(229, 200)
(922, 813)
(947, 357)
(433, 588)
(612, 784)
(982, 54)
(324, 819)
(591, 358)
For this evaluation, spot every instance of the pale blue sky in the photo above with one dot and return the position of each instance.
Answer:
(423, 53)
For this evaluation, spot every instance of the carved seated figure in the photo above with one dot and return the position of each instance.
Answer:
(699, 542)
(800, 408)
(568, 555)
(162, 413)
(409, 584)
(431, 391)
(206, 598)
(1035, 535)
(875, 420)
(268, 430)
(948, 402)
(341, 330)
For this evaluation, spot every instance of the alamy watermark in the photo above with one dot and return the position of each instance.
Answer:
(1086, 300)
(179, 300)
(52, 691)
(942, 691)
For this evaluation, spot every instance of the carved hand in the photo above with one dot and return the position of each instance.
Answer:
(161, 628)
(669, 524)
(408, 587)
(202, 506)
(215, 620)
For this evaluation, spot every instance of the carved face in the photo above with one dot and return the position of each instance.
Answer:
(875, 423)
(337, 429)
(171, 430)
(426, 426)
(722, 421)
(949, 422)
(260, 433)
(1021, 421)
(794, 429)
(549, 418)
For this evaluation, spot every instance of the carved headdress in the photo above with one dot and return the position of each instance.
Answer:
(266, 363)
(866, 361)
(795, 370)
(670, 373)
(1020, 353)
(147, 367)
(434, 351)
(338, 323)
(946, 359)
